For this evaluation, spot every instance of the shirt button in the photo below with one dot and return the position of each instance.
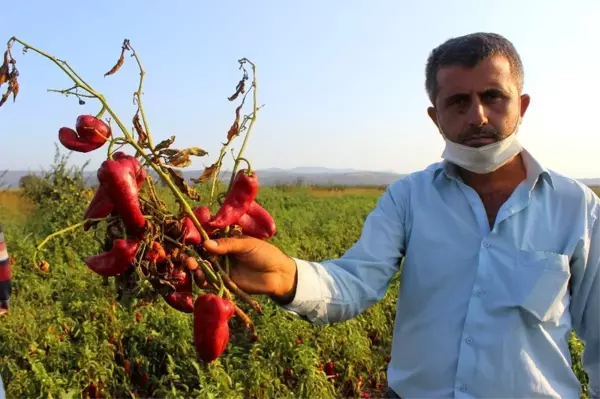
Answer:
(463, 388)
(479, 292)
(486, 244)
(469, 340)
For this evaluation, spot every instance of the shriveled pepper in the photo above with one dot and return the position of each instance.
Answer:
(211, 328)
(118, 181)
(257, 222)
(115, 261)
(243, 191)
(182, 299)
(91, 134)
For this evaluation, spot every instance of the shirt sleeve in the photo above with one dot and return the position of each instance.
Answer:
(585, 301)
(339, 289)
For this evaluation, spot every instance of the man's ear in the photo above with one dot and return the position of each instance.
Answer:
(432, 115)
(525, 100)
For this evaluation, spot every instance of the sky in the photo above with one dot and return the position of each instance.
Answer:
(342, 82)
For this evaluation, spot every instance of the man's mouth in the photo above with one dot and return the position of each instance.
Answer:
(479, 141)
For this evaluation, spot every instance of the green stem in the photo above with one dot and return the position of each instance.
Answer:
(72, 227)
(101, 113)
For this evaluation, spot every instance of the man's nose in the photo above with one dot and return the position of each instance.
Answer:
(477, 115)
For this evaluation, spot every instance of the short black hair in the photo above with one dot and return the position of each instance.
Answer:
(468, 51)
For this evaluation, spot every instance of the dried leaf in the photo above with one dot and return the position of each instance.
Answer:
(4, 72)
(121, 60)
(5, 96)
(239, 89)
(15, 89)
(142, 136)
(234, 130)
(206, 175)
(179, 181)
(168, 152)
(165, 143)
(196, 151)
(180, 160)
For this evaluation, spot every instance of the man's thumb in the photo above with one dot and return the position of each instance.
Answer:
(222, 246)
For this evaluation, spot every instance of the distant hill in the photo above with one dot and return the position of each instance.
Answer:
(275, 176)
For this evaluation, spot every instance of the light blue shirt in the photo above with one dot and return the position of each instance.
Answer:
(480, 313)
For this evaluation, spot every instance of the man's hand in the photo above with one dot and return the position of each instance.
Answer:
(258, 267)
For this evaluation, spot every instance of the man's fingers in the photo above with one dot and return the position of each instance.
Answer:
(233, 246)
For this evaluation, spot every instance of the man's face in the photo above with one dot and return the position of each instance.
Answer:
(478, 106)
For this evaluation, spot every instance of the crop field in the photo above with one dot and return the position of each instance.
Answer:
(66, 335)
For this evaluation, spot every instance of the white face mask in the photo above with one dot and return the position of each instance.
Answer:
(483, 159)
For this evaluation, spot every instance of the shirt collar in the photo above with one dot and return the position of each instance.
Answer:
(534, 169)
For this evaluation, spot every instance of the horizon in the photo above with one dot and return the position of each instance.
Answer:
(329, 77)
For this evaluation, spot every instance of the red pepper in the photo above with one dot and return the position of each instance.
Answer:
(115, 261)
(182, 299)
(191, 235)
(91, 134)
(257, 222)
(243, 191)
(118, 181)
(92, 129)
(203, 215)
(101, 205)
(211, 328)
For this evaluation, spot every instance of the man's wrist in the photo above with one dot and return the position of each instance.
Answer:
(288, 293)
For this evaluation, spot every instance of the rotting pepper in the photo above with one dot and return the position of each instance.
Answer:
(115, 261)
(211, 328)
(243, 192)
(101, 205)
(118, 180)
(257, 222)
(91, 133)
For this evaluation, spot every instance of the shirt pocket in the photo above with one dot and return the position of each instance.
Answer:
(544, 280)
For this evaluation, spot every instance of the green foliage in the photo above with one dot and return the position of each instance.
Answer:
(66, 337)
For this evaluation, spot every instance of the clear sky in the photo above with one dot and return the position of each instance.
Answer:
(342, 81)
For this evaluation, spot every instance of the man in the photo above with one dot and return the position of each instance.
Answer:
(501, 255)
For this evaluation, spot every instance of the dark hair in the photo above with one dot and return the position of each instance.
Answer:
(468, 51)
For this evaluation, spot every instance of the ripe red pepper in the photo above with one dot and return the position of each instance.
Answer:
(92, 129)
(115, 261)
(101, 205)
(91, 134)
(182, 299)
(119, 183)
(203, 215)
(191, 235)
(243, 191)
(211, 328)
(257, 222)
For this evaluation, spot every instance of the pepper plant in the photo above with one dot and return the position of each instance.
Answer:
(149, 250)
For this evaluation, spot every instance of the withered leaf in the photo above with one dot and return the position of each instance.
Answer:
(5, 96)
(196, 151)
(180, 160)
(179, 181)
(142, 136)
(239, 89)
(4, 72)
(15, 89)
(165, 143)
(121, 60)
(234, 130)
(168, 152)
(206, 175)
